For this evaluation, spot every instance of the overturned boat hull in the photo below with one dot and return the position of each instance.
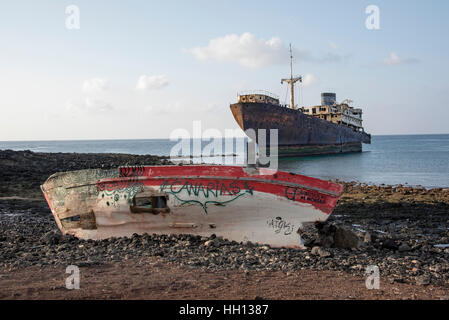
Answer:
(258, 205)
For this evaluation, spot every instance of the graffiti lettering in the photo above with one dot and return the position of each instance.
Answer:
(211, 189)
(136, 171)
(297, 193)
(117, 185)
(281, 226)
(248, 188)
(214, 189)
(113, 191)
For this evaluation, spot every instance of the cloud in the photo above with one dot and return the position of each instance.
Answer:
(88, 105)
(95, 85)
(252, 52)
(394, 59)
(309, 80)
(97, 105)
(246, 50)
(151, 82)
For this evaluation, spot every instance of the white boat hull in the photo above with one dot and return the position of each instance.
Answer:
(260, 208)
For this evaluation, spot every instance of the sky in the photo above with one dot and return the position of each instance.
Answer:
(142, 69)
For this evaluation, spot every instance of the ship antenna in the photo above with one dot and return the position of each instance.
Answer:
(292, 81)
(291, 63)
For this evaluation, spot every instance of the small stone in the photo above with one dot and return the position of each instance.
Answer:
(249, 244)
(435, 268)
(404, 247)
(315, 251)
(422, 280)
(209, 243)
(69, 238)
(323, 253)
(83, 263)
(367, 238)
(390, 244)
(51, 237)
(396, 279)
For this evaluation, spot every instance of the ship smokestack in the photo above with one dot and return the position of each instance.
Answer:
(328, 98)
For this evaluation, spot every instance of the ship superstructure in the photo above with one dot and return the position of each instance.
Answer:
(341, 113)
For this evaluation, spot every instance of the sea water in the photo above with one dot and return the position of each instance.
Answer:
(395, 159)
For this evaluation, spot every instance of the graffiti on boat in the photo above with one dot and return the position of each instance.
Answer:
(298, 194)
(281, 226)
(113, 191)
(210, 193)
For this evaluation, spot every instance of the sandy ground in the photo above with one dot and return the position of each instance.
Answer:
(154, 279)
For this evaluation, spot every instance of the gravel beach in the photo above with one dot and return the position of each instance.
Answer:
(402, 230)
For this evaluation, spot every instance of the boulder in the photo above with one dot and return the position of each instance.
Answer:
(422, 280)
(51, 238)
(346, 238)
(332, 236)
(404, 247)
(389, 244)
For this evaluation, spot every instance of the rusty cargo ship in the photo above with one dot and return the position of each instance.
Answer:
(328, 128)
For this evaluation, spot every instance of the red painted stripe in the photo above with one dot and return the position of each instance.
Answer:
(151, 176)
(236, 171)
(320, 201)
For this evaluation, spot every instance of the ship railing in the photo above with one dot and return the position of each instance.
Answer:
(261, 92)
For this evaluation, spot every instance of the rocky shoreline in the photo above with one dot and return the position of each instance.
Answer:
(402, 230)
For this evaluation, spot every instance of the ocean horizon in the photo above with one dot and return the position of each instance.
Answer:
(416, 160)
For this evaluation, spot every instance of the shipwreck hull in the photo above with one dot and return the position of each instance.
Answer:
(261, 205)
(313, 150)
(299, 134)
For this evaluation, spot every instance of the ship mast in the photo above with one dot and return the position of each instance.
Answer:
(292, 81)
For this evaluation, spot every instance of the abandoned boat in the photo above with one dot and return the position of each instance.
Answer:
(243, 204)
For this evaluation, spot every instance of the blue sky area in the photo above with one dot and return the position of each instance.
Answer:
(140, 69)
